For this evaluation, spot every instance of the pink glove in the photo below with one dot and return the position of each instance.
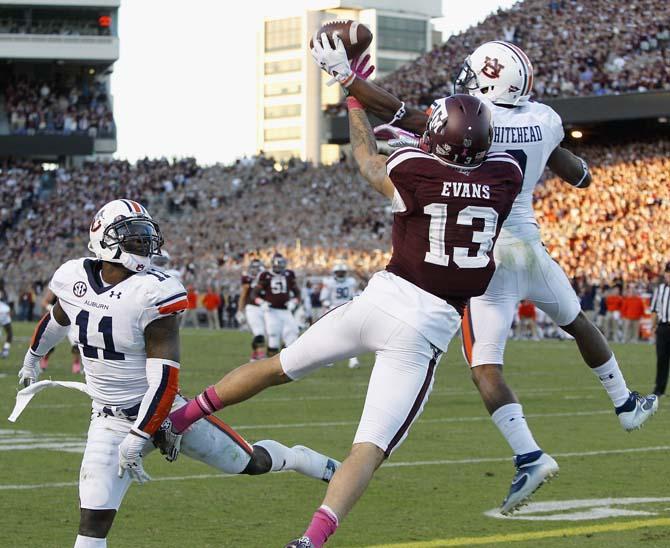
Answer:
(357, 65)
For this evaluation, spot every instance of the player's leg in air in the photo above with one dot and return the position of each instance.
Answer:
(399, 387)
(485, 330)
(216, 444)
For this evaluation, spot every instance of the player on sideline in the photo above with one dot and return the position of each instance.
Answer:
(252, 312)
(337, 290)
(124, 314)
(532, 132)
(273, 293)
(6, 323)
(449, 203)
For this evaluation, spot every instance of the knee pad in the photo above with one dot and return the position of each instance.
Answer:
(258, 342)
(260, 463)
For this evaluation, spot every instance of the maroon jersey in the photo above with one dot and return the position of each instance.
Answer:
(447, 220)
(251, 282)
(277, 288)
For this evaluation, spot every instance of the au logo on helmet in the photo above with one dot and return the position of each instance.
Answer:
(492, 67)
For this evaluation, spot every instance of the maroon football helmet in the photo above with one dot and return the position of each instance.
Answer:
(459, 130)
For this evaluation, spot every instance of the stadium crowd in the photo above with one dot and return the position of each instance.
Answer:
(577, 47)
(58, 107)
(215, 219)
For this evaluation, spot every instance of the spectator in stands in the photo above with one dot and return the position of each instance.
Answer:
(632, 310)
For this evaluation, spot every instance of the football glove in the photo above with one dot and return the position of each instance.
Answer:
(333, 61)
(167, 441)
(395, 136)
(130, 457)
(30, 371)
(240, 318)
(360, 68)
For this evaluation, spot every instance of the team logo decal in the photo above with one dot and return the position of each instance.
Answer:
(492, 68)
(438, 116)
(95, 225)
(587, 509)
(79, 289)
(443, 149)
(116, 294)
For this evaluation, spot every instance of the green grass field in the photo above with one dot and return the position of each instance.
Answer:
(434, 492)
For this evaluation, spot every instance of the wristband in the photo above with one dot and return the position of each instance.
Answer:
(399, 114)
(353, 103)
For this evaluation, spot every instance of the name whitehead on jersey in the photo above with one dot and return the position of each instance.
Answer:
(527, 134)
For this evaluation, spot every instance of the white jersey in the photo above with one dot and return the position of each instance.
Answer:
(5, 314)
(530, 133)
(337, 291)
(109, 322)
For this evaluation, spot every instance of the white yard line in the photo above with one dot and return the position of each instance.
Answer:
(604, 452)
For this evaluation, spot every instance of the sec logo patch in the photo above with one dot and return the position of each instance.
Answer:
(79, 289)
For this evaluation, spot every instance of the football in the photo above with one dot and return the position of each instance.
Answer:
(355, 36)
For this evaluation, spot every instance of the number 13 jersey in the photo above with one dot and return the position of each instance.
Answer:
(446, 221)
(108, 323)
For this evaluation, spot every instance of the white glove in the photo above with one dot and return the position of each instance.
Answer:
(240, 317)
(130, 457)
(264, 305)
(333, 61)
(30, 371)
(396, 136)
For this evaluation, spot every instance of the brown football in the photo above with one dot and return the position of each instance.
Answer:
(355, 36)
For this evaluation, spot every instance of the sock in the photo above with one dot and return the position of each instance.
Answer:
(282, 457)
(324, 523)
(203, 404)
(512, 425)
(90, 542)
(612, 380)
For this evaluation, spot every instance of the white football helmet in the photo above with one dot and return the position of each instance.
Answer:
(123, 232)
(340, 270)
(498, 71)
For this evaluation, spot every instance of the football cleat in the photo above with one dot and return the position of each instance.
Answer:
(532, 470)
(354, 363)
(5, 353)
(167, 441)
(636, 411)
(302, 542)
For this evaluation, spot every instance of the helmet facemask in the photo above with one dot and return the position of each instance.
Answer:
(136, 240)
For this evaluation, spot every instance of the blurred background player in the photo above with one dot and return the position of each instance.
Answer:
(124, 313)
(613, 304)
(527, 324)
(251, 312)
(501, 74)
(6, 323)
(337, 290)
(275, 291)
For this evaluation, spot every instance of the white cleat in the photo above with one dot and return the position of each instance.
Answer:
(354, 363)
(532, 471)
(636, 411)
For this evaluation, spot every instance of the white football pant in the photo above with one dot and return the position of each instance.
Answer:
(280, 326)
(210, 441)
(255, 320)
(402, 377)
(524, 270)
